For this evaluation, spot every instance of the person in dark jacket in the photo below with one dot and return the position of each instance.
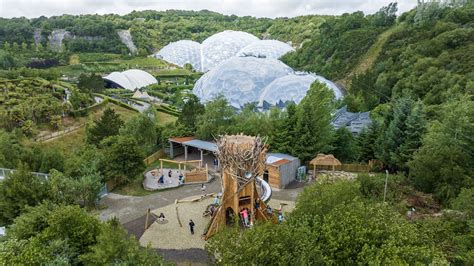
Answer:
(191, 226)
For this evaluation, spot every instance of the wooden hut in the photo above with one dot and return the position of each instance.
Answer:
(281, 169)
(325, 161)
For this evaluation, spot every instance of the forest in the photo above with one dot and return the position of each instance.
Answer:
(412, 71)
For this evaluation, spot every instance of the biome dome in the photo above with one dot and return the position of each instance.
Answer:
(240, 79)
(292, 88)
(131, 79)
(266, 48)
(220, 47)
(181, 53)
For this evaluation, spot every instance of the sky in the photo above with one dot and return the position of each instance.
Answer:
(257, 8)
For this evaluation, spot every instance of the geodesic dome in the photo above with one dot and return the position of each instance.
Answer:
(266, 48)
(240, 79)
(219, 47)
(292, 88)
(222, 46)
(131, 79)
(181, 53)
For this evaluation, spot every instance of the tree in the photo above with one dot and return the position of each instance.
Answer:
(216, 119)
(18, 191)
(60, 236)
(51, 159)
(90, 83)
(345, 146)
(123, 159)
(444, 163)
(415, 129)
(88, 187)
(11, 150)
(367, 141)
(142, 128)
(54, 234)
(107, 125)
(79, 99)
(115, 246)
(331, 224)
(386, 16)
(190, 112)
(403, 134)
(313, 128)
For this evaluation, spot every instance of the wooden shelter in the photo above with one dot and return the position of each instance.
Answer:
(281, 169)
(324, 160)
(242, 159)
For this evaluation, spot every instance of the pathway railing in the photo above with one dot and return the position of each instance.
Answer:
(6, 171)
(58, 133)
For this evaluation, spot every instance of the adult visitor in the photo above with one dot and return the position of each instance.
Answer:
(191, 226)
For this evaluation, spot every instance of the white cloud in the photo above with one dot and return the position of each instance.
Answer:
(258, 8)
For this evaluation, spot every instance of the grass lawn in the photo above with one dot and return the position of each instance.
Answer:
(134, 188)
(70, 142)
(164, 118)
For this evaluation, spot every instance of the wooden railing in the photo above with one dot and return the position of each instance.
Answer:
(58, 133)
(154, 157)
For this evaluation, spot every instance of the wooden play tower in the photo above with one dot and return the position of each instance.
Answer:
(242, 159)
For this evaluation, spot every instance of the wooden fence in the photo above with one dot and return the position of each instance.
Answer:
(154, 157)
(356, 168)
(58, 133)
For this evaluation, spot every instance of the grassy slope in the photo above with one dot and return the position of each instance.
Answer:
(70, 142)
(369, 58)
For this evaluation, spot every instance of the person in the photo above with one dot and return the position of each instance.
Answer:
(216, 199)
(180, 178)
(212, 210)
(161, 217)
(191, 226)
(257, 204)
(269, 210)
(203, 189)
(162, 179)
(245, 215)
(170, 173)
(280, 217)
(411, 213)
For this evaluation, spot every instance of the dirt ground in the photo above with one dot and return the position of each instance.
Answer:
(173, 235)
(171, 241)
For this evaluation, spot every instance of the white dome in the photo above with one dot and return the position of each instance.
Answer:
(293, 88)
(266, 48)
(240, 79)
(131, 79)
(223, 45)
(181, 53)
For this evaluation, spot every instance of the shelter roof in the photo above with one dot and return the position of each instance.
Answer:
(180, 139)
(325, 159)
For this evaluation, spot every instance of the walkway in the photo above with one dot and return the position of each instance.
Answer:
(129, 208)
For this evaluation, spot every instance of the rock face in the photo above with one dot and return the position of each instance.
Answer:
(56, 38)
(126, 39)
(37, 36)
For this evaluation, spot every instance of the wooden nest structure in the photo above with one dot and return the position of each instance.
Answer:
(325, 160)
(242, 159)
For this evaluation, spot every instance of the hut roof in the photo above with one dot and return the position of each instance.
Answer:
(325, 159)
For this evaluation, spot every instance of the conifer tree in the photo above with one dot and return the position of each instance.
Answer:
(414, 130)
(313, 128)
(108, 125)
(390, 142)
